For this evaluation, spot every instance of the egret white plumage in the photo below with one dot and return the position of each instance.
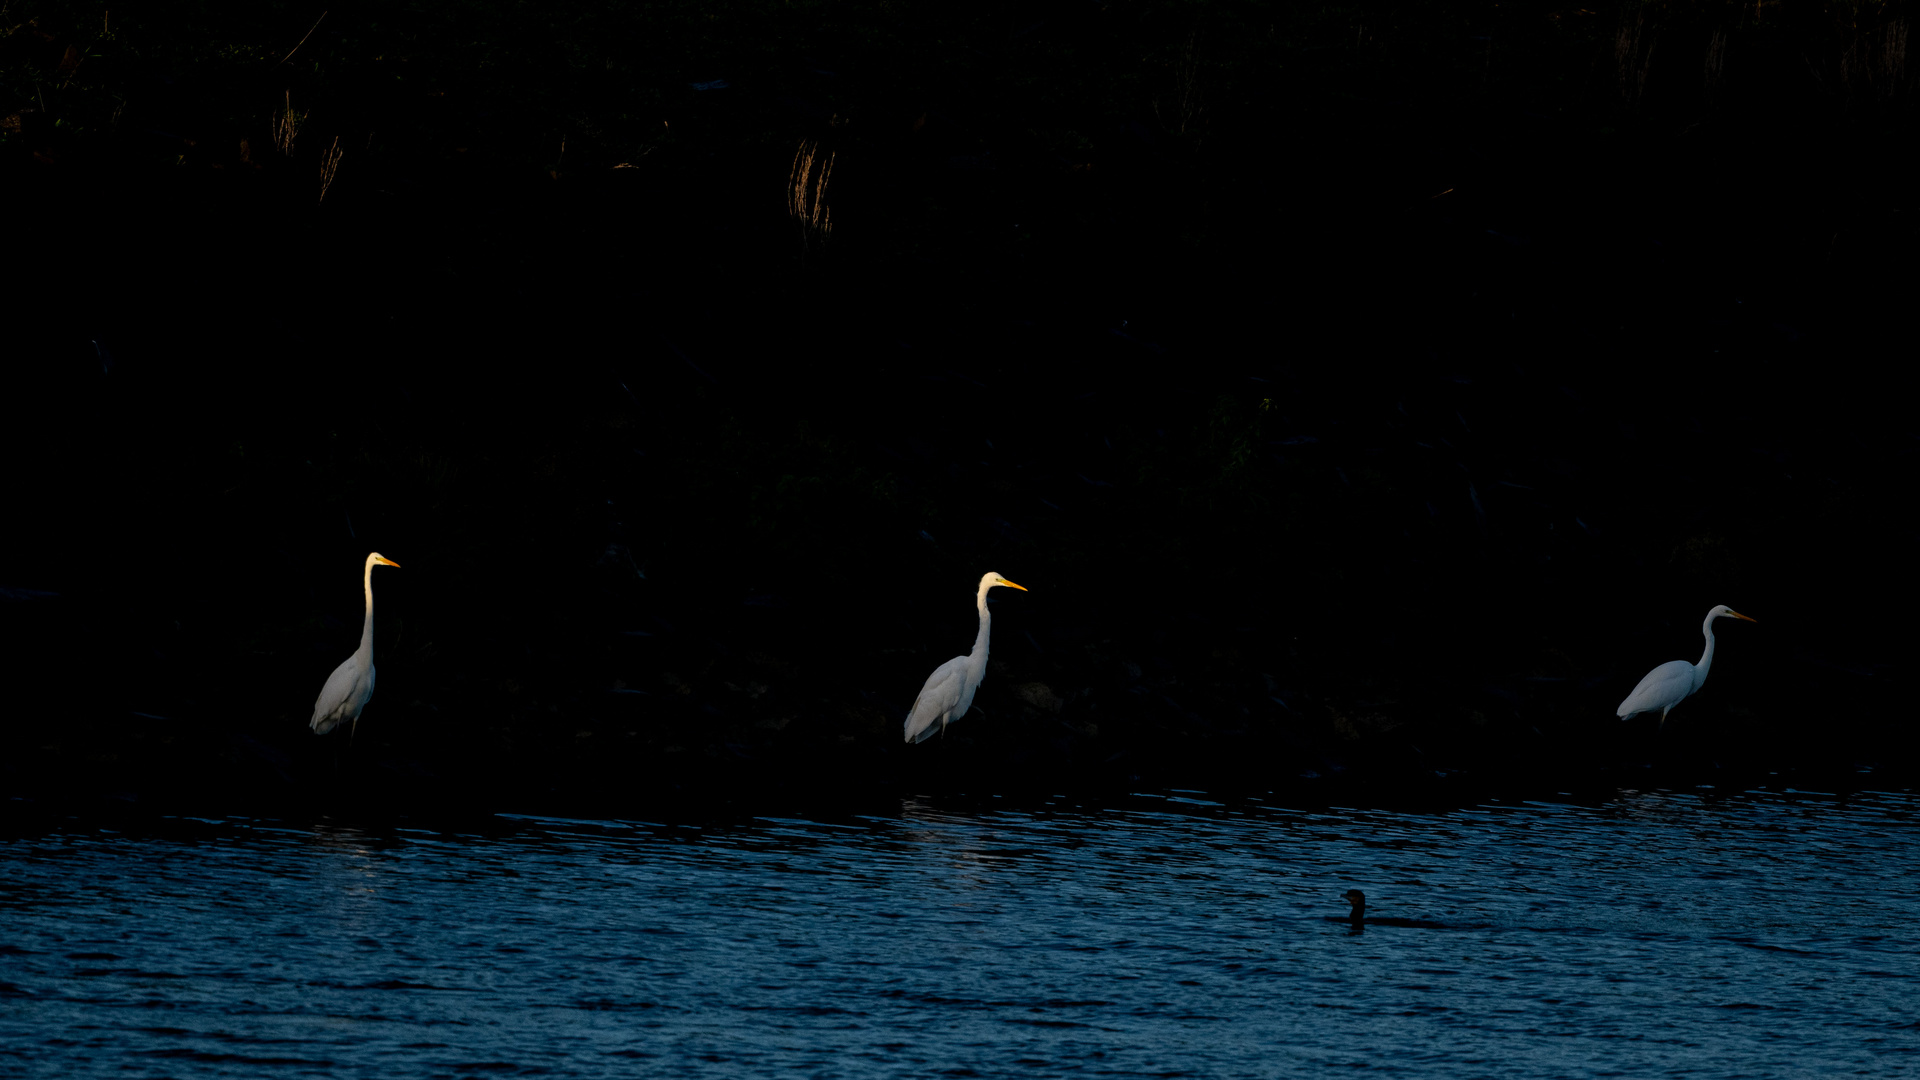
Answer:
(351, 684)
(1676, 680)
(949, 690)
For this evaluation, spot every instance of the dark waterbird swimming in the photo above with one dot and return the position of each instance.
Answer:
(1358, 916)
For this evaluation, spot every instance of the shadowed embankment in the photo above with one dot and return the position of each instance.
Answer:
(1369, 397)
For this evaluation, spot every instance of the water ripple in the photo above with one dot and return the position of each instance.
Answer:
(1656, 934)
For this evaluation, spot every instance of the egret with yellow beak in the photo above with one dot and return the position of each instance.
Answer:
(949, 690)
(351, 684)
(1676, 680)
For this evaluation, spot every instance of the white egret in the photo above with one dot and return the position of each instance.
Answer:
(351, 684)
(1676, 680)
(949, 690)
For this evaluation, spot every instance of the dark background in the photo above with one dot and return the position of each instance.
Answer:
(1367, 393)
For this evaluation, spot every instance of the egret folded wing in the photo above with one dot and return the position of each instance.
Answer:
(1663, 688)
(337, 698)
(935, 704)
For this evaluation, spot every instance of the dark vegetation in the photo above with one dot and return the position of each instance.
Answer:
(1368, 392)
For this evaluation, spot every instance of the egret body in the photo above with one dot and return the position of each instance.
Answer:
(1676, 680)
(351, 684)
(949, 690)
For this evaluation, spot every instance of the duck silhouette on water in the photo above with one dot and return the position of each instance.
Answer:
(1357, 918)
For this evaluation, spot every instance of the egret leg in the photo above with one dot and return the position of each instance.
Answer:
(1663, 718)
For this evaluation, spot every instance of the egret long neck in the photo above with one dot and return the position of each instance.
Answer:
(1706, 657)
(979, 654)
(366, 630)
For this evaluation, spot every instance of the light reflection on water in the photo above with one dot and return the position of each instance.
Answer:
(1657, 934)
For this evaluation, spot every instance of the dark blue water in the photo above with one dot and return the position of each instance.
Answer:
(1661, 934)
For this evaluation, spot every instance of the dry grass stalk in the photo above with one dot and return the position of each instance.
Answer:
(1633, 55)
(1875, 63)
(329, 165)
(303, 39)
(70, 65)
(286, 127)
(807, 194)
(1183, 112)
(1716, 63)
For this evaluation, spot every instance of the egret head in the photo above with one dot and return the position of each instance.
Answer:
(377, 559)
(1723, 611)
(991, 579)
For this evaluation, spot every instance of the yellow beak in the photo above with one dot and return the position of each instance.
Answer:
(384, 561)
(1737, 615)
(1011, 585)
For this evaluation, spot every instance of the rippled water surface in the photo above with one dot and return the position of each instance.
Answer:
(1657, 935)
